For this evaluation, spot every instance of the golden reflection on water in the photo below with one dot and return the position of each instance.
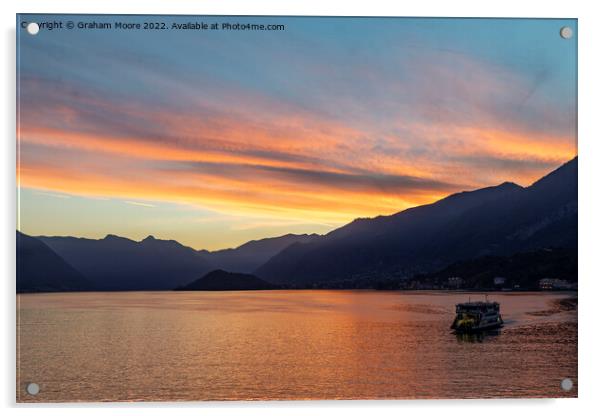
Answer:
(170, 346)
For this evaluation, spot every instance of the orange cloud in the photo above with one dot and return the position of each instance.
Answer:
(285, 162)
(256, 184)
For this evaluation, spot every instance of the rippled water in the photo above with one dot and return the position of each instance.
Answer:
(172, 346)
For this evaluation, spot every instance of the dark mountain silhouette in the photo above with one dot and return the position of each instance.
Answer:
(523, 269)
(500, 220)
(39, 269)
(117, 263)
(249, 256)
(222, 280)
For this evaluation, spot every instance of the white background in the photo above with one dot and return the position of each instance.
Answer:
(590, 163)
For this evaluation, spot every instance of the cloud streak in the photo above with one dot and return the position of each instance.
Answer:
(140, 204)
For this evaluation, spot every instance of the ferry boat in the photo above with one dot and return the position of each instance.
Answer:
(477, 316)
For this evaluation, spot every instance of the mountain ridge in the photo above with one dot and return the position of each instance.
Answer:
(424, 238)
(40, 269)
(120, 263)
(249, 256)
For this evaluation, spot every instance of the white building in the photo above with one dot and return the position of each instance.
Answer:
(549, 284)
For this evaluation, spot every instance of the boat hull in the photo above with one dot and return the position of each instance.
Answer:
(470, 330)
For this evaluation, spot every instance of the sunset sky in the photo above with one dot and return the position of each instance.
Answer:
(213, 138)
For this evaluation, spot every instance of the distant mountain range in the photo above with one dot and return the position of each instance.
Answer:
(495, 221)
(39, 269)
(499, 220)
(117, 263)
(249, 256)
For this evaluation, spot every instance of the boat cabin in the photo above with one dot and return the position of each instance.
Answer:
(477, 307)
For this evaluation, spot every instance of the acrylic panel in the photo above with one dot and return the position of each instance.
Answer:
(294, 208)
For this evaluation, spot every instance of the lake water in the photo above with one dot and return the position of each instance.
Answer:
(172, 346)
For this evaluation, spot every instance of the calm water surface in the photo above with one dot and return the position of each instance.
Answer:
(171, 346)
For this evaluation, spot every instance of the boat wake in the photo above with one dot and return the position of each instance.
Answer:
(558, 311)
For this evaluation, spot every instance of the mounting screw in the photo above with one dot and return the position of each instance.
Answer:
(567, 384)
(33, 389)
(566, 32)
(33, 28)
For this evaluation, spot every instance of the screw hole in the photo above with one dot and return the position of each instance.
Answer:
(566, 32)
(33, 28)
(567, 384)
(33, 389)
